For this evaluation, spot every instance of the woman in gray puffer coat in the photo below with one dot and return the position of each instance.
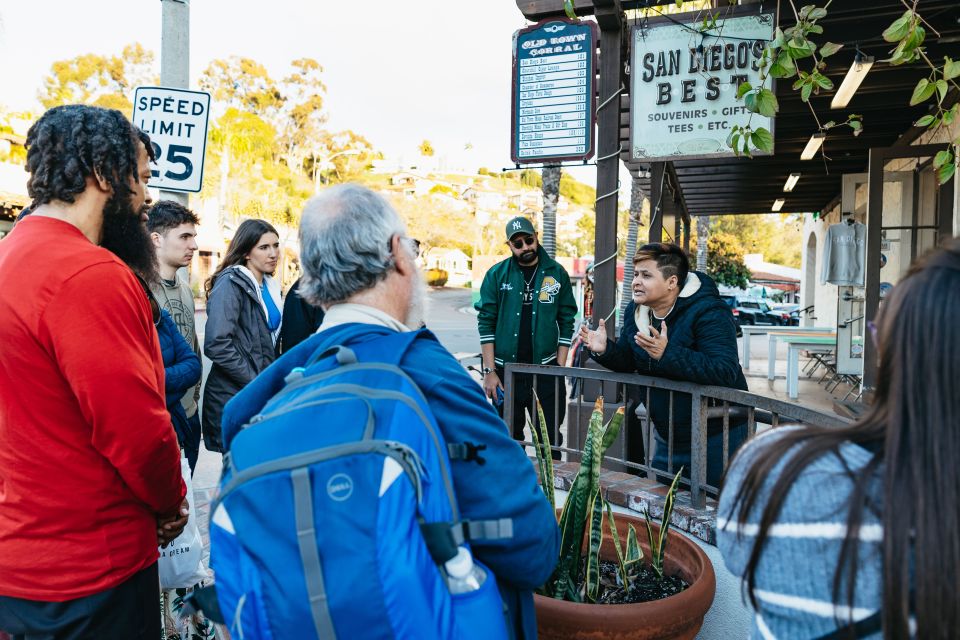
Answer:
(243, 320)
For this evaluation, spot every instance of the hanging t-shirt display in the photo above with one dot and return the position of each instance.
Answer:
(844, 255)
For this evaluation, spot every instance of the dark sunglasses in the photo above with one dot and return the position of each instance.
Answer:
(519, 243)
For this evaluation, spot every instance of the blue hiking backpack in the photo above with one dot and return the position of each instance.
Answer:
(336, 511)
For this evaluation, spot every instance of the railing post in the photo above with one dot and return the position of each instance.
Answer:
(698, 450)
(508, 397)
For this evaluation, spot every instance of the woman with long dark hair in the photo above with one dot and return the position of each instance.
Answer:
(243, 319)
(853, 532)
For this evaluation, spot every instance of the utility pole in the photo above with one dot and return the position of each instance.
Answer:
(175, 60)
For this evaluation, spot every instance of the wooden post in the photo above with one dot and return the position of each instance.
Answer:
(657, 200)
(872, 277)
(609, 16)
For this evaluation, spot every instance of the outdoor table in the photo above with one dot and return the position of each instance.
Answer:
(773, 336)
(750, 330)
(796, 344)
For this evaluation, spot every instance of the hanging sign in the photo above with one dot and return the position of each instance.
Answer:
(684, 79)
(554, 91)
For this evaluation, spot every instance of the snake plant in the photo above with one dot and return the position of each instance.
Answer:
(576, 578)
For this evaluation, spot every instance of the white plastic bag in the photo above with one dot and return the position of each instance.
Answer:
(181, 562)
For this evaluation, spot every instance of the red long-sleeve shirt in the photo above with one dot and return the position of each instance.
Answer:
(88, 457)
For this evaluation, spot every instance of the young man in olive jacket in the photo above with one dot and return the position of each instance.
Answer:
(526, 316)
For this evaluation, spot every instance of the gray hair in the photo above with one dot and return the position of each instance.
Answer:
(345, 237)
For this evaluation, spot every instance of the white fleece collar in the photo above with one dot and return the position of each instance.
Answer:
(642, 313)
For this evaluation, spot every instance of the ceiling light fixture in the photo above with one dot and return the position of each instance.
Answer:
(778, 204)
(791, 182)
(812, 146)
(855, 75)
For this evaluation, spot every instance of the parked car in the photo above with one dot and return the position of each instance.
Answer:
(752, 311)
(731, 301)
(789, 314)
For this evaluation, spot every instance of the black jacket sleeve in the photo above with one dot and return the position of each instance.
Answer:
(715, 361)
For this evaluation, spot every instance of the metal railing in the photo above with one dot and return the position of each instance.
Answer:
(708, 405)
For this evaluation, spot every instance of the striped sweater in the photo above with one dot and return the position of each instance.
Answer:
(794, 584)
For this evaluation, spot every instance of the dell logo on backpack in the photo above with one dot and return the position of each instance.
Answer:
(339, 487)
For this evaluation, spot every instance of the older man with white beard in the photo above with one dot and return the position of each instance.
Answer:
(359, 265)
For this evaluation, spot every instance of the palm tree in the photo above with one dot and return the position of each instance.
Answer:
(636, 205)
(551, 193)
(703, 233)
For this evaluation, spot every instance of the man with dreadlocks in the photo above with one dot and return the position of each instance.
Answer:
(89, 464)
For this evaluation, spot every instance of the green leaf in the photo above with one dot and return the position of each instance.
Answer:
(762, 140)
(950, 115)
(778, 39)
(800, 48)
(743, 89)
(805, 92)
(815, 28)
(942, 158)
(942, 89)
(767, 104)
(595, 536)
(829, 49)
(734, 142)
(544, 455)
(784, 67)
(922, 91)
(573, 519)
(612, 523)
(925, 121)
(653, 541)
(830, 125)
(634, 552)
(856, 125)
(946, 172)
(818, 14)
(805, 10)
(823, 81)
(900, 27)
(611, 430)
(951, 69)
(569, 10)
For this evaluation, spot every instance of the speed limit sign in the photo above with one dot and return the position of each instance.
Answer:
(176, 121)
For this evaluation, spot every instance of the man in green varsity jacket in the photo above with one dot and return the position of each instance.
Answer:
(526, 316)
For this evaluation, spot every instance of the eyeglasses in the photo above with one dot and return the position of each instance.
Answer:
(414, 246)
(519, 243)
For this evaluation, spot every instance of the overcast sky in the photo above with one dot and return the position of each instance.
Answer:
(397, 72)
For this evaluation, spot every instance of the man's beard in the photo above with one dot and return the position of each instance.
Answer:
(417, 310)
(527, 257)
(125, 235)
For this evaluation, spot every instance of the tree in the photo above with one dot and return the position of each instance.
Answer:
(778, 237)
(551, 193)
(244, 84)
(636, 206)
(426, 149)
(725, 260)
(104, 81)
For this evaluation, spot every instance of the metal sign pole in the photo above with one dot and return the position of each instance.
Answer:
(175, 60)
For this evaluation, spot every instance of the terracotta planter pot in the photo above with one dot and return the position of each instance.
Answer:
(678, 616)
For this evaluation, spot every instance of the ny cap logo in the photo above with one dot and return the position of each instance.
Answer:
(516, 224)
